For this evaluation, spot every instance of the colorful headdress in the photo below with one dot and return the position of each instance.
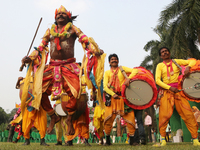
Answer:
(63, 9)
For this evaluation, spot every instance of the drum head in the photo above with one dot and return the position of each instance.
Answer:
(58, 109)
(139, 93)
(189, 83)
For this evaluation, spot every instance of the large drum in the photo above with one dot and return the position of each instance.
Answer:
(190, 87)
(81, 105)
(142, 91)
(59, 111)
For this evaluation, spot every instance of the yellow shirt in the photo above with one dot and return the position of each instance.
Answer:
(108, 74)
(161, 72)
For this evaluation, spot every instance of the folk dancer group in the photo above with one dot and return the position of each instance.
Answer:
(63, 75)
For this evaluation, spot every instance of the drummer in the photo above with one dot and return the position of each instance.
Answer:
(113, 80)
(169, 72)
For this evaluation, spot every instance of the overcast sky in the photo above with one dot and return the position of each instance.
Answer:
(118, 26)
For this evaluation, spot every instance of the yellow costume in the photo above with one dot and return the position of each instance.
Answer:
(169, 98)
(61, 127)
(117, 105)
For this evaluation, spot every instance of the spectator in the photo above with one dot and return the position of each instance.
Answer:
(148, 124)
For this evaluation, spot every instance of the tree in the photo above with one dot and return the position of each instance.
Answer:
(3, 116)
(182, 19)
(150, 62)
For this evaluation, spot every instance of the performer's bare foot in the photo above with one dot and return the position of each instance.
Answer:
(70, 130)
(54, 120)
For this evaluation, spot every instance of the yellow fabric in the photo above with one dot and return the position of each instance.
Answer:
(17, 120)
(98, 116)
(37, 83)
(108, 74)
(61, 129)
(182, 106)
(25, 89)
(38, 118)
(117, 107)
(128, 117)
(83, 87)
(161, 72)
(93, 47)
(80, 128)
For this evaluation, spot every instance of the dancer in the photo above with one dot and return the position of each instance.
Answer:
(62, 73)
(169, 73)
(113, 80)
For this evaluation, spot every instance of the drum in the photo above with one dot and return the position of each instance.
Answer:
(59, 111)
(142, 91)
(190, 87)
(81, 104)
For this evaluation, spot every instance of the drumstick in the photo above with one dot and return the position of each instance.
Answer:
(196, 86)
(23, 65)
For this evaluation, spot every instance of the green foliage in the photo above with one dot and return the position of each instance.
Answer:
(3, 116)
(181, 19)
(179, 30)
(3, 126)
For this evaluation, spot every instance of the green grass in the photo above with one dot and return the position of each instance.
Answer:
(36, 146)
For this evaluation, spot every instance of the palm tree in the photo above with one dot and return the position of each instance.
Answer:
(150, 62)
(182, 19)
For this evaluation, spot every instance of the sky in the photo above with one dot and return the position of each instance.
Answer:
(118, 26)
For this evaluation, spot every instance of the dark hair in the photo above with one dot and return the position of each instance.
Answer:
(162, 48)
(112, 55)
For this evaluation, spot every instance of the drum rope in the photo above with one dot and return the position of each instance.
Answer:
(194, 77)
(134, 99)
(196, 86)
(136, 87)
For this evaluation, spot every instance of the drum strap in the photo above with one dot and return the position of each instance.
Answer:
(177, 65)
(123, 72)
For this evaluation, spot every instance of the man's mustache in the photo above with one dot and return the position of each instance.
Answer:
(61, 17)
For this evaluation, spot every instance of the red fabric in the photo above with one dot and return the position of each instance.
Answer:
(87, 118)
(171, 69)
(57, 41)
(68, 76)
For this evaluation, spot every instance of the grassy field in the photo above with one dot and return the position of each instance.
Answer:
(36, 146)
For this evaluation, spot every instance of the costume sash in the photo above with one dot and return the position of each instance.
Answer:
(57, 41)
(114, 81)
(171, 69)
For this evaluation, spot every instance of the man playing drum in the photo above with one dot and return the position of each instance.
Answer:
(62, 71)
(169, 73)
(113, 80)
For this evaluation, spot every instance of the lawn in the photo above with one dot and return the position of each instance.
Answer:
(36, 146)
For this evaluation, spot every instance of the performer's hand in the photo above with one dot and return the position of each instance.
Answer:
(127, 82)
(101, 51)
(20, 78)
(187, 71)
(116, 96)
(93, 97)
(173, 89)
(26, 60)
